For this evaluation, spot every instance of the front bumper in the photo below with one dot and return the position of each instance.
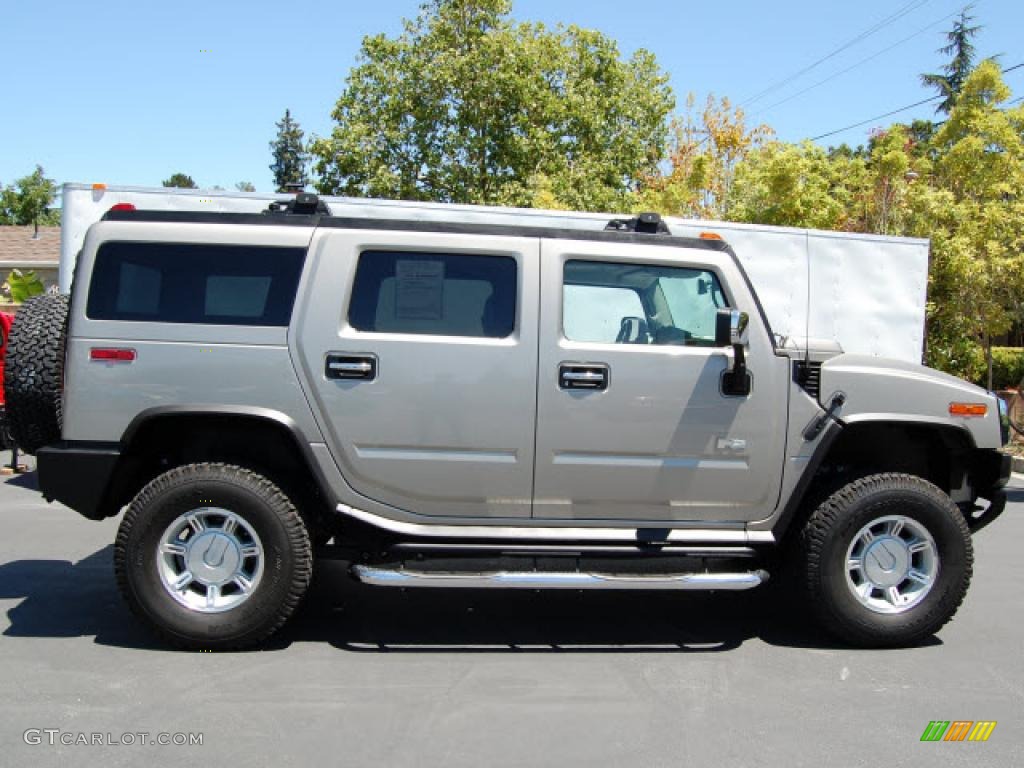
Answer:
(78, 474)
(989, 472)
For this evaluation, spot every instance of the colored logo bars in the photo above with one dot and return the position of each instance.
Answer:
(958, 730)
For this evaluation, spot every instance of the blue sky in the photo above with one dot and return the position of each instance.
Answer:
(129, 92)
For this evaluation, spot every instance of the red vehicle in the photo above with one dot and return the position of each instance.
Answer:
(5, 328)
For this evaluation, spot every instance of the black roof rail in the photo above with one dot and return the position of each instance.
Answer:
(647, 223)
(303, 204)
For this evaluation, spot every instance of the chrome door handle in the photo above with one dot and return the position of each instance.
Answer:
(593, 376)
(350, 367)
(585, 377)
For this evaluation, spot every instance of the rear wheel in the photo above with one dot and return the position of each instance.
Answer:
(213, 556)
(34, 371)
(5, 435)
(887, 560)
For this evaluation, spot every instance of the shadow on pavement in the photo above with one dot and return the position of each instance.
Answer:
(1015, 494)
(62, 599)
(28, 480)
(366, 619)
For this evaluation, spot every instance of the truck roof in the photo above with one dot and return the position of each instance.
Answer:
(408, 225)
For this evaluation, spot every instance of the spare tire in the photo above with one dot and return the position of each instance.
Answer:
(34, 371)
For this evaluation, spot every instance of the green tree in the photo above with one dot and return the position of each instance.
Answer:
(954, 74)
(891, 172)
(290, 157)
(468, 106)
(704, 151)
(21, 286)
(245, 186)
(27, 201)
(799, 185)
(972, 208)
(7, 194)
(180, 181)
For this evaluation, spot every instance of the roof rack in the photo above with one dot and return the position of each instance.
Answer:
(646, 223)
(303, 204)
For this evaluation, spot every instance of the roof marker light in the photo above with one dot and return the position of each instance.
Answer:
(98, 187)
(710, 236)
(123, 207)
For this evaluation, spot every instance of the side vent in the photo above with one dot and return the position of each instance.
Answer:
(808, 376)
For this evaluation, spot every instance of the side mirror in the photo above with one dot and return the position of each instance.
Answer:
(732, 329)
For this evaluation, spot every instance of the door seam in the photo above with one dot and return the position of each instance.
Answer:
(536, 378)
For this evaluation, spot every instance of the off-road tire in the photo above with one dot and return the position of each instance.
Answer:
(34, 371)
(5, 435)
(287, 551)
(830, 530)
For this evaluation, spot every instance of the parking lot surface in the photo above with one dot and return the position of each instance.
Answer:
(366, 676)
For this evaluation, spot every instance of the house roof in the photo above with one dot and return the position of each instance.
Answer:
(18, 247)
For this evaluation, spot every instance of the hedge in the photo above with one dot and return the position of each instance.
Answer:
(1007, 367)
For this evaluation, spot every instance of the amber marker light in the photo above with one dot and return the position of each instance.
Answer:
(967, 409)
(710, 236)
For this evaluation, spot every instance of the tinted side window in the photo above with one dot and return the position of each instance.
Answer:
(442, 294)
(194, 283)
(607, 302)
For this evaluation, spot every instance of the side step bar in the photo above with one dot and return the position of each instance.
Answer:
(389, 577)
(535, 533)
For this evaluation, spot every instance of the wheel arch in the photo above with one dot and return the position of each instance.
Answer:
(938, 453)
(260, 439)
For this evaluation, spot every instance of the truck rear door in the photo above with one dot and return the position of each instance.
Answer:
(419, 350)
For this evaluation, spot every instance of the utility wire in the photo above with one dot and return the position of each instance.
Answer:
(877, 117)
(854, 66)
(897, 111)
(913, 5)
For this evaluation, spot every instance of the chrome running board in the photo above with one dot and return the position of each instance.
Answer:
(525, 532)
(388, 577)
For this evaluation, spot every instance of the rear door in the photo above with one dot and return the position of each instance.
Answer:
(632, 422)
(420, 352)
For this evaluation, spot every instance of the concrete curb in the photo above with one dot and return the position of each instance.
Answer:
(1018, 464)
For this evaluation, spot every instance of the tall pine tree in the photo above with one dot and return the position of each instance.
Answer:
(180, 181)
(290, 157)
(955, 73)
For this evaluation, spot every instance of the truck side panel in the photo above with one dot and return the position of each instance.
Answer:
(177, 364)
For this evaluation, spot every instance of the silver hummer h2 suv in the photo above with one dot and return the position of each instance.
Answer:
(451, 404)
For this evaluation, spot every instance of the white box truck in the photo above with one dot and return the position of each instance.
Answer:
(866, 292)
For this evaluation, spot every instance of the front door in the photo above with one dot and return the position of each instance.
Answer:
(419, 350)
(632, 420)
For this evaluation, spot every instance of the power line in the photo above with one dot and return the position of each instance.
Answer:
(913, 5)
(877, 117)
(897, 111)
(854, 66)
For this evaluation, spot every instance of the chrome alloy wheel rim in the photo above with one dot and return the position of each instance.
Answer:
(891, 564)
(210, 560)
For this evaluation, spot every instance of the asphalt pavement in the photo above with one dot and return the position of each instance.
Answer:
(374, 677)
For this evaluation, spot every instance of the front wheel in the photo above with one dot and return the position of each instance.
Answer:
(887, 560)
(212, 556)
